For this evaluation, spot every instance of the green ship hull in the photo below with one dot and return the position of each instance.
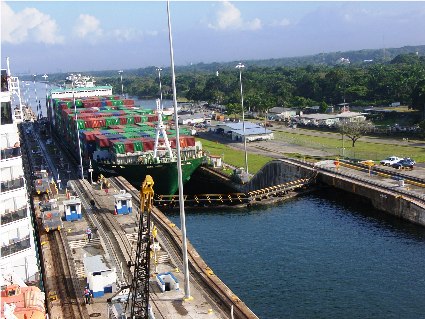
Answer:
(165, 175)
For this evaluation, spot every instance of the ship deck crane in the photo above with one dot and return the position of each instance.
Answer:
(138, 299)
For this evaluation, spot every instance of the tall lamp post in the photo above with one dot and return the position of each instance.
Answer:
(122, 85)
(45, 76)
(35, 92)
(76, 127)
(160, 87)
(240, 66)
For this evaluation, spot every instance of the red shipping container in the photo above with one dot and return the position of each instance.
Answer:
(152, 118)
(137, 119)
(102, 141)
(98, 122)
(129, 147)
(148, 144)
(109, 103)
(128, 102)
(123, 120)
(190, 140)
(89, 122)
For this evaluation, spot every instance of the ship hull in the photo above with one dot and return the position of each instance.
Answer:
(165, 175)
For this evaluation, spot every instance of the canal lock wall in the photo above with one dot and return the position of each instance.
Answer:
(380, 198)
(281, 171)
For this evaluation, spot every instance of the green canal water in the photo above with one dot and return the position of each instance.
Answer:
(324, 255)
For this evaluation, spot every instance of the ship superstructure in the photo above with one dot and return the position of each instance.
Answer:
(18, 248)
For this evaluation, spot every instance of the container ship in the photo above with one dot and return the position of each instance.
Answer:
(117, 138)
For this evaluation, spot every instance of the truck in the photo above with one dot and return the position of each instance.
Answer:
(390, 160)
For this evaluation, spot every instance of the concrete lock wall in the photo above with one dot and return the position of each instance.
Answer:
(275, 173)
(382, 199)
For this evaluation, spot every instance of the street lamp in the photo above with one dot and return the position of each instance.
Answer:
(76, 127)
(160, 88)
(45, 76)
(35, 92)
(240, 66)
(122, 85)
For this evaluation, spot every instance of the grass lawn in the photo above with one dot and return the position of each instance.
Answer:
(235, 157)
(362, 150)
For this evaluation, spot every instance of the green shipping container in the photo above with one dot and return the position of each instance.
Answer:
(119, 148)
(81, 124)
(130, 120)
(112, 121)
(138, 146)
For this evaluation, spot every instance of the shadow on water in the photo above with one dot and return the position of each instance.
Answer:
(362, 209)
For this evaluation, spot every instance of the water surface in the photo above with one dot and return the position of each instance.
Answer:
(319, 256)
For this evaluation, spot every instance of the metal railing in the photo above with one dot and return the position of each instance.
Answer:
(9, 153)
(15, 247)
(7, 186)
(14, 216)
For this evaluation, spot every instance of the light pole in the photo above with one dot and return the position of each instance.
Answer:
(76, 127)
(35, 91)
(91, 172)
(160, 87)
(45, 76)
(122, 85)
(240, 66)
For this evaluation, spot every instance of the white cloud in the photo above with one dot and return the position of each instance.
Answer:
(229, 17)
(28, 24)
(281, 23)
(88, 26)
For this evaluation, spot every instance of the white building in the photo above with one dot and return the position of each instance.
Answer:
(283, 113)
(190, 119)
(18, 249)
(329, 119)
(253, 132)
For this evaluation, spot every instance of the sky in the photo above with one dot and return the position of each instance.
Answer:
(77, 36)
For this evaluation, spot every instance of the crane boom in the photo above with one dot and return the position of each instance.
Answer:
(139, 291)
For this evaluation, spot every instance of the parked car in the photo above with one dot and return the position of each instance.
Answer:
(410, 159)
(404, 163)
(390, 160)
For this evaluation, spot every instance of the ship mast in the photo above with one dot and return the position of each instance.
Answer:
(160, 129)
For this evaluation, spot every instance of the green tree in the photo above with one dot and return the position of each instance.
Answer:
(418, 98)
(354, 130)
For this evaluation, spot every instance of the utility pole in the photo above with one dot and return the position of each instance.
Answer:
(240, 66)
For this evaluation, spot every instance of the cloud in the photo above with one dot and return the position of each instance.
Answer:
(229, 17)
(28, 24)
(280, 23)
(88, 26)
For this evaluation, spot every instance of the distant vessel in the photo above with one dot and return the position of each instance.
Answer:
(118, 138)
(19, 262)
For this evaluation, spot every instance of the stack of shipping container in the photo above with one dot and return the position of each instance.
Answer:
(111, 124)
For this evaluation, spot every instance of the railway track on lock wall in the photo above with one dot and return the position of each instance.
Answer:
(202, 275)
(114, 236)
(66, 278)
(111, 233)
